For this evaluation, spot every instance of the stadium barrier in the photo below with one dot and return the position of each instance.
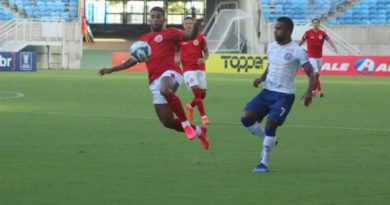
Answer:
(217, 63)
(256, 64)
(356, 65)
(236, 63)
(18, 61)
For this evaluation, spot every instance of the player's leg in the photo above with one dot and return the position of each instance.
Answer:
(203, 89)
(196, 83)
(314, 64)
(168, 87)
(277, 115)
(253, 113)
(188, 79)
(166, 117)
(319, 64)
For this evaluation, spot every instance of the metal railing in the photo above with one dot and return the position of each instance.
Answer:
(343, 46)
(18, 33)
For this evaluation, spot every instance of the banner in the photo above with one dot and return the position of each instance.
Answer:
(256, 64)
(356, 66)
(236, 63)
(20, 61)
(120, 57)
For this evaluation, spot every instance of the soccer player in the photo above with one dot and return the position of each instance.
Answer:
(276, 99)
(165, 75)
(315, 40)
(193, 55)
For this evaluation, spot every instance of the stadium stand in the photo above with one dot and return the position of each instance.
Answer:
(332, 12)
(50, 28)
(36, 9)
(300, 10)
(368, 12)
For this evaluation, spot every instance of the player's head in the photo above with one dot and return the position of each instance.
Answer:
(188, 23)
(157, 18)
(316, 23)
(283, 29)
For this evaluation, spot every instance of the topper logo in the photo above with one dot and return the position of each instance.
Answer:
(242, 62)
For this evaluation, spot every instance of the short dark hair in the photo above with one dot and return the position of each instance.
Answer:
(287, 21)
(157, 8)
(188, 17)
(315, 19)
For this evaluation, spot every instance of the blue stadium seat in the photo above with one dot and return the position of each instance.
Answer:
(367, 12)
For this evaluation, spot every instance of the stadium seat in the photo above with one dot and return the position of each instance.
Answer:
(367, 12)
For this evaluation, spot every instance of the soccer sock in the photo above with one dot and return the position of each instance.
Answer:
(203, 94)
(198, 130)
(198, 101)
(318, 82)
(193, 103)
(176, 125)
(268, 144)
(176, 106)
(253, 127)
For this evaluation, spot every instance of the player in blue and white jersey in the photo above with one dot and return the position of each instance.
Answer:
(276, 99)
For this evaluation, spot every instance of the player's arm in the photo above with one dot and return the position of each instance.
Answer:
(205, 55)
(303, 39)
(332, 44)
(127, 64)
(307, 97)
(177, 57)
(260, 79)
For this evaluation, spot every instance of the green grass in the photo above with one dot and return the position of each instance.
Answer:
(76, 138)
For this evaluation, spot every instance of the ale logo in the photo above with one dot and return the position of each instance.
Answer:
(365, 66)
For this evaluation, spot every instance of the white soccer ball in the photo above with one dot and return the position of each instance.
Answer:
(140, 51)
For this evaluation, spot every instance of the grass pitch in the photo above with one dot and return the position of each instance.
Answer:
(76, 138)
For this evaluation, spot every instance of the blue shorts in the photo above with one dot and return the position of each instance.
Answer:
(274, 104)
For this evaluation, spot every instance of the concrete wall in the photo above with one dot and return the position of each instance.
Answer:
(73, 50)
(370, 40)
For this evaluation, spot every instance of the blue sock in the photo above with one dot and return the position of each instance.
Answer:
(253, 127)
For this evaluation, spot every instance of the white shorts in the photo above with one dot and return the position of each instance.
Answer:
(195, 78)
(155, 86)
(316, 63)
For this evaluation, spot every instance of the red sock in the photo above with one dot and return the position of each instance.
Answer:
(203, 94)
(176, 106)
(176, 125)
(198, 100)
(193, 103)
(318, 83)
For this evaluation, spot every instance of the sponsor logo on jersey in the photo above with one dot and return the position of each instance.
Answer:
(196, 43)
(288, 56)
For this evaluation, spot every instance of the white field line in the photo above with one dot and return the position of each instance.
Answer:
(10, 94)
(214, 122)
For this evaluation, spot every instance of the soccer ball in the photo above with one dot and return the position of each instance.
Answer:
(140, 51)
